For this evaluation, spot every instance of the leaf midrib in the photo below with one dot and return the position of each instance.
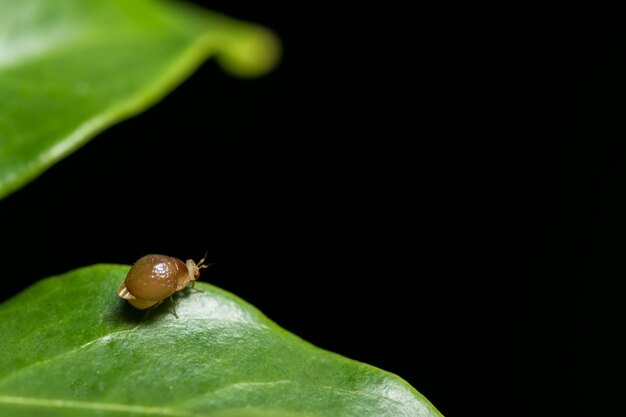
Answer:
(88, 405)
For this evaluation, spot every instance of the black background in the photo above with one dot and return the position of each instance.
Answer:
(391, 192)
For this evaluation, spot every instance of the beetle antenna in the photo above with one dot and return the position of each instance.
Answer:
(200, 263)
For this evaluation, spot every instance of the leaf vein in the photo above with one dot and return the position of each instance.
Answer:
(71, 351)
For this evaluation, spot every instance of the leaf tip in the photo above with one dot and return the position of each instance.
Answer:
(253, 52)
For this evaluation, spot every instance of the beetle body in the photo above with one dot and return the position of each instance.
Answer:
(153, 278)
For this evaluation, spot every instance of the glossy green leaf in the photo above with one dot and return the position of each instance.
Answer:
(71, 68)
(71, 347)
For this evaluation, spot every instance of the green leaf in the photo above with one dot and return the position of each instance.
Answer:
(71, 347)
(71, 68)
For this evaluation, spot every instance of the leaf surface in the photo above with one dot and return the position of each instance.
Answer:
(71, 347)
(71, 68)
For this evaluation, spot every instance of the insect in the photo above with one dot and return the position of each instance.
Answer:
(153, 278)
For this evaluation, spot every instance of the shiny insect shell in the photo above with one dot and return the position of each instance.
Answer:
(153, 278)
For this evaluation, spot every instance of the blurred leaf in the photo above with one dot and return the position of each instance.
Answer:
(71, 68)
(71, 347)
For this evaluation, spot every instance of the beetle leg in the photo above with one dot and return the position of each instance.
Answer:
(173, 307)
(150, 310)
(193, 287)
(145, 316)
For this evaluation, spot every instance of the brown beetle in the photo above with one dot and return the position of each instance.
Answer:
(153, 278)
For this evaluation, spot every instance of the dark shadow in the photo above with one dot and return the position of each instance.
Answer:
(123, 311)
(187, 292)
